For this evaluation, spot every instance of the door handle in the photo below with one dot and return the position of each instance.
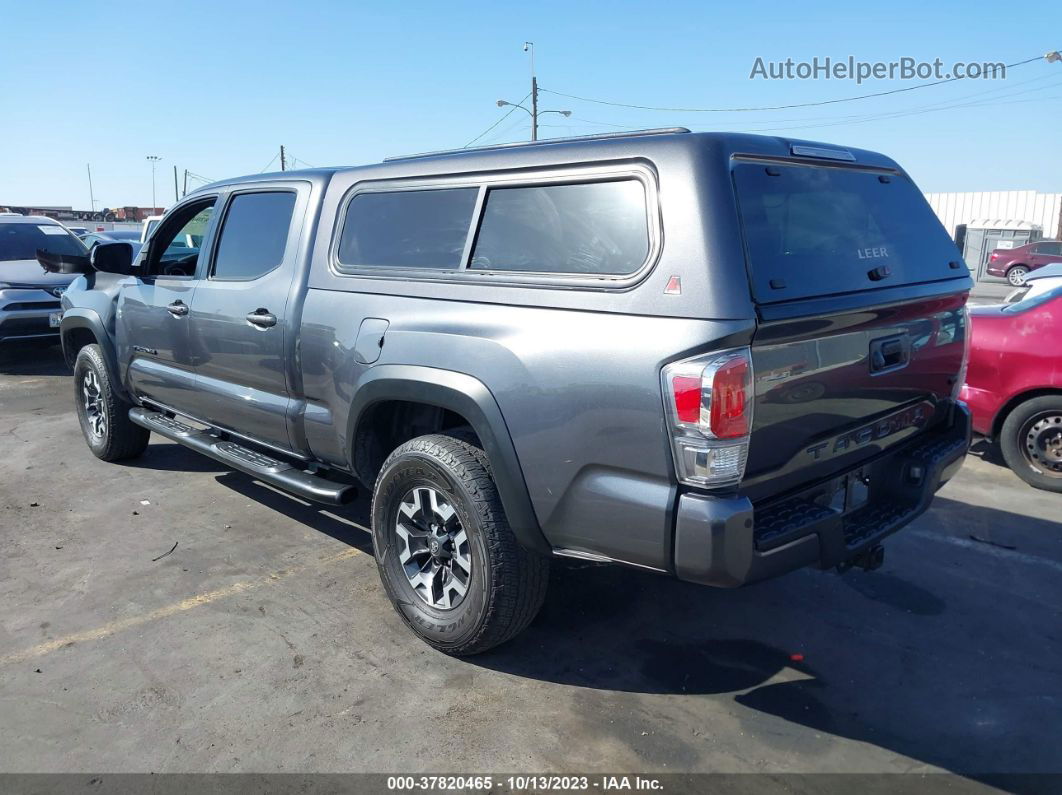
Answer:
(178, 308)
(262, 318)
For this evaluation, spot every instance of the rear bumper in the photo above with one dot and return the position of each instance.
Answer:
(727, 542)
(983, 404)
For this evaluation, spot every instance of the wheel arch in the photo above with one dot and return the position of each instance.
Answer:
(81, 327)
(1016, 400)
(469, 399)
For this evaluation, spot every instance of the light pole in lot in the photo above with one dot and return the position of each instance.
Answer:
(154, 159)
(534, 113)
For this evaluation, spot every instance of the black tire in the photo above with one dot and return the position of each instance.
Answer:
(507, 582)
(116, 438)
(1031, 442)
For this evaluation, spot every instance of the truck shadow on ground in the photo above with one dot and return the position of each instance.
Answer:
(933, 657)
(938, 669)
(20, 358)
(348, 524)
(167, 456)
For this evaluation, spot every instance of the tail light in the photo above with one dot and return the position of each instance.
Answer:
(967, 333)
(993, 257)
(709, 408)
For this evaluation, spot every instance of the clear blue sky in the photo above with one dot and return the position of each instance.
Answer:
(216, 87)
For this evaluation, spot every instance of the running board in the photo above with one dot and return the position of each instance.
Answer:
(281, 474)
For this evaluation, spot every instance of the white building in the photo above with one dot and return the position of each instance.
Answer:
(1007, 207)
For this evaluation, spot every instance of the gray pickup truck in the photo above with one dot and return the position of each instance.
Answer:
(719, 357)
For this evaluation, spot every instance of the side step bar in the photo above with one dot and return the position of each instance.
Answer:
(281, 474)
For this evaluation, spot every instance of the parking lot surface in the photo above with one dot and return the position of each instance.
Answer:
(264, 642)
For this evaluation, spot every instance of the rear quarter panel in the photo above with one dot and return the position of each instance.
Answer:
(579, 391)
(1010, 355)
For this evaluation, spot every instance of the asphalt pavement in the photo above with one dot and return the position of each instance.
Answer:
(170, 615)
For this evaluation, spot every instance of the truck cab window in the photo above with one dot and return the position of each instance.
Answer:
(175, 249)
(254, 234)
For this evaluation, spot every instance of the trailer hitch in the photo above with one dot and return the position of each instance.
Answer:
(868, 560)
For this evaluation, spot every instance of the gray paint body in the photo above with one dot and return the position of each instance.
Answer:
(561, 380)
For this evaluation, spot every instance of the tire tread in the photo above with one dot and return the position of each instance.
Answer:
(125, 439)
(518, 576)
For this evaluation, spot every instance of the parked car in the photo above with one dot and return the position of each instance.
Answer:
(147, 226)
(505, 349)
(1039, 281)
(1014, 384)
(29, 297)
(114, 236)
(1014, 264)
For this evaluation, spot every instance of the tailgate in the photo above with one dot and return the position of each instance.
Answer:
(861, 296)
(833, 391)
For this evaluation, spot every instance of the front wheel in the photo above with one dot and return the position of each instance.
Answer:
(103, 414)
(1031, 442)
(1017, 274)
(446, 555)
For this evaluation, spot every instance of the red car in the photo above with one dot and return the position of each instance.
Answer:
(1014, 264)
(1014, 384)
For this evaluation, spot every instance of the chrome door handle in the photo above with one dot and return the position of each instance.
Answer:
(178, 308)
(262, 318)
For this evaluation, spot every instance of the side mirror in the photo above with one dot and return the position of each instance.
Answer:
(112, 258)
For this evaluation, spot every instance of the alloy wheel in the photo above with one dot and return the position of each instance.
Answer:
(434, 551)
(1016, 276)
(95, 410)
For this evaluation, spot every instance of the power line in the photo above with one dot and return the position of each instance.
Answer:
(830, 121)
(777, 107)
(271, 162)
(934, 108)
(500, 134)
(200, 177)
(499, 121)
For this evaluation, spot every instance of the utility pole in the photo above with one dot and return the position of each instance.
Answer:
(283, 163)
(184, 191)
(154, 159)
(92, 196)
(175, 196)
(529, 46)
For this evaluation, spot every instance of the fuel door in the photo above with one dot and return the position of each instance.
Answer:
(370, 340)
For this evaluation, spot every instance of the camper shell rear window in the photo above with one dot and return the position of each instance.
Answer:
(814, 230)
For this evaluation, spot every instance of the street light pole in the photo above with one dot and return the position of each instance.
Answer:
(529, 46)
(533, 113)
(92, 195)
(154, 159)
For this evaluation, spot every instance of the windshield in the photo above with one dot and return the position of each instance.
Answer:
(21, 241)
(816, 230)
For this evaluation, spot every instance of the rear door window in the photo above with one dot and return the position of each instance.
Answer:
(407, 229)
(814, 230)
(597, 228)
(254, 234)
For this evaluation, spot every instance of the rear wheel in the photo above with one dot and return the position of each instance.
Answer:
(1017, 274)
(1031, 442)
(103, 414)
(447, 557)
